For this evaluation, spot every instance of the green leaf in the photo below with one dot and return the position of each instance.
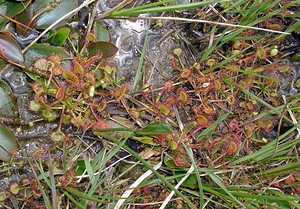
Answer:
(154, 129)
(169, 163)
(294, 28)
(37, 51)
(101, 31)
(80, 167)
(190, 182)
(295, 57)
(8, 143)
(107, 49)
(10, 49)
(11, 9)
(59, 38)
(8, 105)
(47, 18)
(89, 169)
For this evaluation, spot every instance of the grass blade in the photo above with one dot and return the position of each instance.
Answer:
(74, 201)
(164, 9)
(138, 75)
(161, 177)
(146, 6)
(283, 169)
(268, 150)
(127, 193)
(213, 126)
(217, 180)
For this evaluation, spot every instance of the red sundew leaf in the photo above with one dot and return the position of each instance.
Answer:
(101, 125)
(170, 102)
(77, 67)
(183, 97)
(35, 189)
(297, 189)
(277, 184)
(232, 148)
(180, 162)
(266, 125)
(75, 87)
(168, 87)
(70, 77)
(175, 63)
(290, 180)
(185, 73)
(214, 143)
(54, 54)
(160, 137)
(146, 190)
(217, 85)
(193, 146)
(107, 49)
(261, 53)
(60, 94)
(91, 61)
(234, 124)
(232, 144)
(137, 191)
(120, 92)
(209, 110)
(164, 109)
(102, 105)
(201, 120)
(285, 69)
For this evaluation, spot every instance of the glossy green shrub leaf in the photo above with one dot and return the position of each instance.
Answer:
(37, 51)
(47, 18)
(8, 143)
(105, 48)
(11, 9)
(10, 49)
(101, 31)
(8, 107)
(59, 38)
